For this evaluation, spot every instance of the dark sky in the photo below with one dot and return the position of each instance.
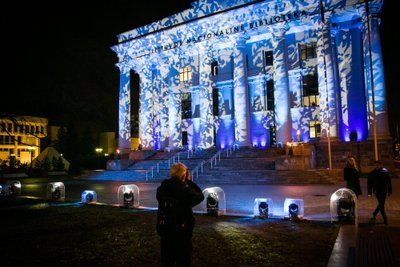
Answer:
(57, 62)
(57, 59)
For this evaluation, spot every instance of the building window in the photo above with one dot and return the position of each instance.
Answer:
(185, 74)
(310, 91)
(215, 97)
(270, 95)
(186, 106)
(268, 58)
(184, 138)
(315, 129)
(214, 68)
(308, 51)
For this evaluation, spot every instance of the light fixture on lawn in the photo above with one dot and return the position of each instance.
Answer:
(13, 188)
(89, 196)
(56, 191)
(293, 211)
(128, 199)
(128, 196)
(212, 204)
(343, 205)
(262, 208)
(294, 208)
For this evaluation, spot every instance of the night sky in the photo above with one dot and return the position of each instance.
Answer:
(57, 62)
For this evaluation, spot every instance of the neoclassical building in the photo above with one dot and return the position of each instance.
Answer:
(255, 73)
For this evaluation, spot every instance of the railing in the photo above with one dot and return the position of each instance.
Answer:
(189, 153)
(213, 160)
(174, 159)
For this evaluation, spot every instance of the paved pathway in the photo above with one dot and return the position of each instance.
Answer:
(239, 200)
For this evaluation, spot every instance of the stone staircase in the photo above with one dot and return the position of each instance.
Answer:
(240, 166)
(257, 166)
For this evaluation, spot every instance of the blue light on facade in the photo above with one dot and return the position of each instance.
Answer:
(259, 57)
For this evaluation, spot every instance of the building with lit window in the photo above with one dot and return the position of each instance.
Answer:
(20, 137)
(257, 73)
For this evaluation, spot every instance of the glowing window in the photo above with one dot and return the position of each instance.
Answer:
(308, 51)
(315, 129)
(214, 68)
(310, 91)
(185, 74)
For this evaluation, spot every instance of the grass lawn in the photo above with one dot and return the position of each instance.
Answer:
(45, 234)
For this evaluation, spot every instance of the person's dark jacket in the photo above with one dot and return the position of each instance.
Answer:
(187, 194)
(352, 178)
(379, 182)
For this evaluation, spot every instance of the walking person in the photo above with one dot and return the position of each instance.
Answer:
(176, 197)
(379, 183)
(352, 176)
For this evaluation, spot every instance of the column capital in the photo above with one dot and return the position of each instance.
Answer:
(374, 11)
(240, 40)
(278, 32)
(124, 67)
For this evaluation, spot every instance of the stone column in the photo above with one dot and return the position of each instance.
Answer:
(124, 110)
(240, 93)
(326, 81)
(163, 100)
(156, 109)
(146, 106)
(205, 90)
(377, 87)
(281, 87)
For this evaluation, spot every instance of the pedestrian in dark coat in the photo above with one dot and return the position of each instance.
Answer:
(179, 189)
(379, 183)
(352, 177)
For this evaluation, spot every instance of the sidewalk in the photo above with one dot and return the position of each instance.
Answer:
(366, 244)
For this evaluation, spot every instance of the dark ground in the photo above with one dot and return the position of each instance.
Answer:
(51, 234)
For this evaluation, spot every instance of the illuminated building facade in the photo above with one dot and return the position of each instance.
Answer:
(255, 73)
(20, 137)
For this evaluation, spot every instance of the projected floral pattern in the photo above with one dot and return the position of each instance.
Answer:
(237, 40)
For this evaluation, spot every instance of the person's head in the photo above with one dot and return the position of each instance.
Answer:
(178, 170)
(351, 162)
(378, 164)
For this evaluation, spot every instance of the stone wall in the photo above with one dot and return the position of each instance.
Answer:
(364, 153)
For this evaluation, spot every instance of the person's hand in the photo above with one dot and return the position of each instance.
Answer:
(188, 176)
(369, 195)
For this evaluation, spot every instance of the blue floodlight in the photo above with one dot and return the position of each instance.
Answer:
(89, 196)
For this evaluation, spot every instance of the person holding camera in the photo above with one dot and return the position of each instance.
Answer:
(176, 197)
